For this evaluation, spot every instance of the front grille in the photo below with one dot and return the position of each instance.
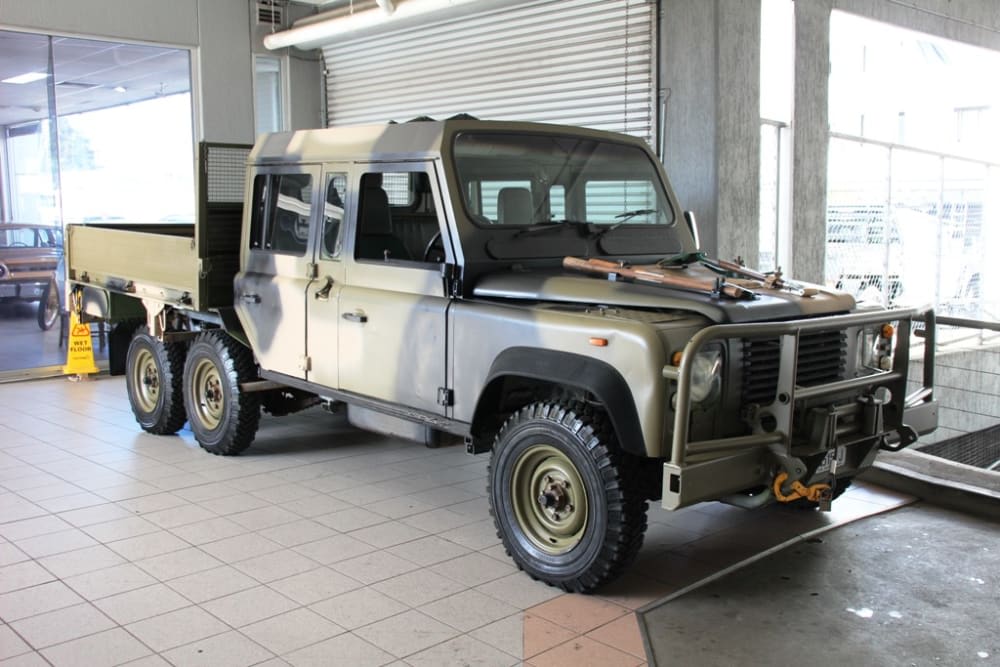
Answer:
(821, 359)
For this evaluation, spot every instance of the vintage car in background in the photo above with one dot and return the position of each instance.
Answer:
(29, 259)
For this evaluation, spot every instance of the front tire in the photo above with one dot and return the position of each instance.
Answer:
(224, 419)
(564, 499)
(48, 307)
(153, 379)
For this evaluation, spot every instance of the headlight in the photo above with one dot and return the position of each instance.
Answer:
(875, 347)
(706, 375)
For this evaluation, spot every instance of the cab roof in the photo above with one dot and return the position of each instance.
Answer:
(418, 139)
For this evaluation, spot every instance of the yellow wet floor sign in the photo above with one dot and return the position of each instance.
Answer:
(80, 351)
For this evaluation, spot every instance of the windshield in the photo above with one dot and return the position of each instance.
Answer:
(519, 180)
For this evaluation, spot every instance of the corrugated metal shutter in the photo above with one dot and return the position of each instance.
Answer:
(579, 62)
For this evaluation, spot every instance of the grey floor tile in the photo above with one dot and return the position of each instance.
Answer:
(468, 610)
(359, 607)
(213, 583)
(463, 650)
(315, 585)
(249, 606)
(406, 633)
(70, 563)
(23, 575)
(374, 567)
(276, 565)
(141, 603)
(291, 631)
(148, 545)
(10, 644)
(428, 551)
(347, 650)
(55, 543)
(36, 600)
(240, 547)
(418, 587)
(231, 649)
(109, 581)
(104, 649)
(176, 628)
(61, 625)
(178, 563)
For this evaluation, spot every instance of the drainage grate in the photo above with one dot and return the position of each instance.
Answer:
(980, 449)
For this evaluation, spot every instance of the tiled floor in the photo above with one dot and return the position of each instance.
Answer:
(321, 545)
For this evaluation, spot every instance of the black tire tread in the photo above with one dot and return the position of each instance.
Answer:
(170, 357)
(626, 506)
(237, 366)
(43, 324)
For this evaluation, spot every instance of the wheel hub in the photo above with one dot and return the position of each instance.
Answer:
(549, 499)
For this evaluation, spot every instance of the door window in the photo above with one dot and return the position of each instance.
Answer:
(281, 211)
(333, 214)
(397, 218)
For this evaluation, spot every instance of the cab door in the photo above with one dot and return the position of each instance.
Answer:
(322, 332)
(393, 307)
(270, 290)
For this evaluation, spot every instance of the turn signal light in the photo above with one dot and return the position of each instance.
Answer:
(888, 331)
(599, 342)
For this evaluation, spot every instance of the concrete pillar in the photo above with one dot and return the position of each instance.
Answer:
(810, 138)
(710, 76)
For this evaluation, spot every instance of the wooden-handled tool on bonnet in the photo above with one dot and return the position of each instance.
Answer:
(655, 275)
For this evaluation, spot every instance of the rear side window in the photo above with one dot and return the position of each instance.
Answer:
(282, 209)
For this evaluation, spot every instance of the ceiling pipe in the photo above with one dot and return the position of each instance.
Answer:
(317, 33)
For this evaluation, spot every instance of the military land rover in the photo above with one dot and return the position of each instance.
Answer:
(535, 289)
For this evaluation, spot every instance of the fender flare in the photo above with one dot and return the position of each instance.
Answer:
(572, 370)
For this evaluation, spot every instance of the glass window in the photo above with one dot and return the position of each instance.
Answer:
(551, 177)
(268, 100)
(333, 214)
(621, 201)
(281, 212)
(397, 218)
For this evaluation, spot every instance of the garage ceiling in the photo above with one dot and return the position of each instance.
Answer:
(89, 75)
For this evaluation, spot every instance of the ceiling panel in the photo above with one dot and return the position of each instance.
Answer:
(144, 71)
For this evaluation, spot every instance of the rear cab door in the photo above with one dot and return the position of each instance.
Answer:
(277, 267)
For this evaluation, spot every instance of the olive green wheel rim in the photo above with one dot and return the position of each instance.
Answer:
(146, 380)
(209, 398)
(549, 498)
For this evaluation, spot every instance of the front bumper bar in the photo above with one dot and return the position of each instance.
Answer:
(713, 469)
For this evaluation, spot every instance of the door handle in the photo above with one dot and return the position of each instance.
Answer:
(323, 293)
(250, 298)
(356, 316)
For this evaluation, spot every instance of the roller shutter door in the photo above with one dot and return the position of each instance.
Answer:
(580, 62)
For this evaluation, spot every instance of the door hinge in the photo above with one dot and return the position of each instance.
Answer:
(305, 363)
(446, 397)
(312, 270)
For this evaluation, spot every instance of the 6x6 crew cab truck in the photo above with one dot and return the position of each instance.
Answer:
(533, 288)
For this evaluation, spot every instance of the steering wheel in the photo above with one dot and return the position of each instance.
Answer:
(434, 243)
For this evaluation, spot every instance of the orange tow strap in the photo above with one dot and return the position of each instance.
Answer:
(799, 490)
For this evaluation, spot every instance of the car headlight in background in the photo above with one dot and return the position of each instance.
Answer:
(3, 270)
(875, 345)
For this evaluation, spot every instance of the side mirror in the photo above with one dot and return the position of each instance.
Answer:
(693, 228)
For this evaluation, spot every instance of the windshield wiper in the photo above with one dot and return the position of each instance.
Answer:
(628, 215)
(550, 225)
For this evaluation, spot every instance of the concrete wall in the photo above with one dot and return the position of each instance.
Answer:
(709, 71)
(216, 30)
(967, 384)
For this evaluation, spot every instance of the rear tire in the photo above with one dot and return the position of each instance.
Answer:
(153, 379)
(48, 307)
(224, 419)
(565, 500)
